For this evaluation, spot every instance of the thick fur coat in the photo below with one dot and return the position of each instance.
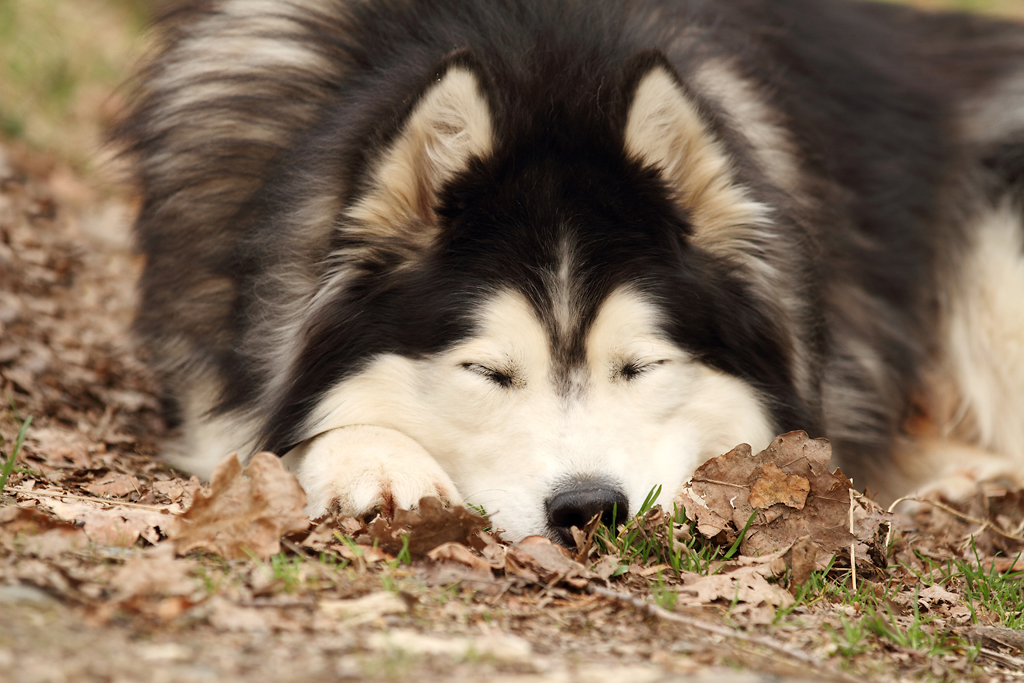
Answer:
(544, 255)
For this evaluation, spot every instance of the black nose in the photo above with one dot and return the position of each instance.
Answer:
(576, 505)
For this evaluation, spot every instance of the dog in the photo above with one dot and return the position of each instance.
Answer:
(544, 256)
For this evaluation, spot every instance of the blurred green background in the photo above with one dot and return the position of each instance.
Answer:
(62, 63)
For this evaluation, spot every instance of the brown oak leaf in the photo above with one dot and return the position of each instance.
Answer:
(775, 486)
(430, 525)
(789, 491)
(247, 511)
(537, 560)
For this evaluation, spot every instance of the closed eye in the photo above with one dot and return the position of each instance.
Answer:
(632, 369)
(504, 379)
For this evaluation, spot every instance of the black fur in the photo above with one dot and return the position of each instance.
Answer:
(870, 96)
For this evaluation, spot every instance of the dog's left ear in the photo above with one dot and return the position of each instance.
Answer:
(666, 130)
(449, 126)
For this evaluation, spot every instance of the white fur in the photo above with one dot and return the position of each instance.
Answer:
(984, 360)
(975, 400)
(359, 468)
(986, 334)
(508, 448)
(206, 439)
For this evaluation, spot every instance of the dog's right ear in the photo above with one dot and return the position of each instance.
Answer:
(449, 126)
(667, 131)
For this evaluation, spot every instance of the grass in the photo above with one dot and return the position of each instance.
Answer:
(663, 594)
(653, 537)
(877, 625)
(883, 622)
(852, 639)
(9, 460)
(999, 593)
(287, 569)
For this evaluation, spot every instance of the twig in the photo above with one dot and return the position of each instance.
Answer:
(956, 513)
(103, 501)
(657, 612)
(720, 483)
(853, 546)
(1001, 659)
(1007, 637)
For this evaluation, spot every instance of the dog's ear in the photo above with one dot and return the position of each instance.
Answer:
(666, 129)
(449, 125)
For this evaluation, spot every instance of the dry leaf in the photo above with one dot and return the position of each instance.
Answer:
(33, 533)
(775, 486)
(363, 554)
(489, 547)
(743, 584)
(245, 512)
(112, 524)
(936, 593)
(155, 573)
(113, 486)
(803, 560)
(606, 566)
(538, 560)
(456, 552)
(727, 490)
(427, 527)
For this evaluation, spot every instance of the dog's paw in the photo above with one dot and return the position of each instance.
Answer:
(957, 473)
(356, 470)
(960, 487)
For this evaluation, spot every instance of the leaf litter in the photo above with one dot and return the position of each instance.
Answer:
(246, 512)
(754, 569)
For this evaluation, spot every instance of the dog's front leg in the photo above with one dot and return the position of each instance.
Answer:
(358, 469)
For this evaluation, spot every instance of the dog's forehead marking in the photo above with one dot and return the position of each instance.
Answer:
(565, 320)
(562, 288)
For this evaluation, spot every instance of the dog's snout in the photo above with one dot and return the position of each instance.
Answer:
(575, 506)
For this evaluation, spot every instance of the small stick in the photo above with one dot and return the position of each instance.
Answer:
(720, 483)
(853, 546)
(103, 501)
(953, 511)
(657, 612)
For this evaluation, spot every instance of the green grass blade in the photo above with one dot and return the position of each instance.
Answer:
(8, 465)
(739, 539)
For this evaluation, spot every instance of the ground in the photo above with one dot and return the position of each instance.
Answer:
(115, 567)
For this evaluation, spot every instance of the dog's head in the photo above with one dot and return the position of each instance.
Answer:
(564, 300)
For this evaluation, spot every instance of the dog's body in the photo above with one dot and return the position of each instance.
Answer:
(545, 255)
